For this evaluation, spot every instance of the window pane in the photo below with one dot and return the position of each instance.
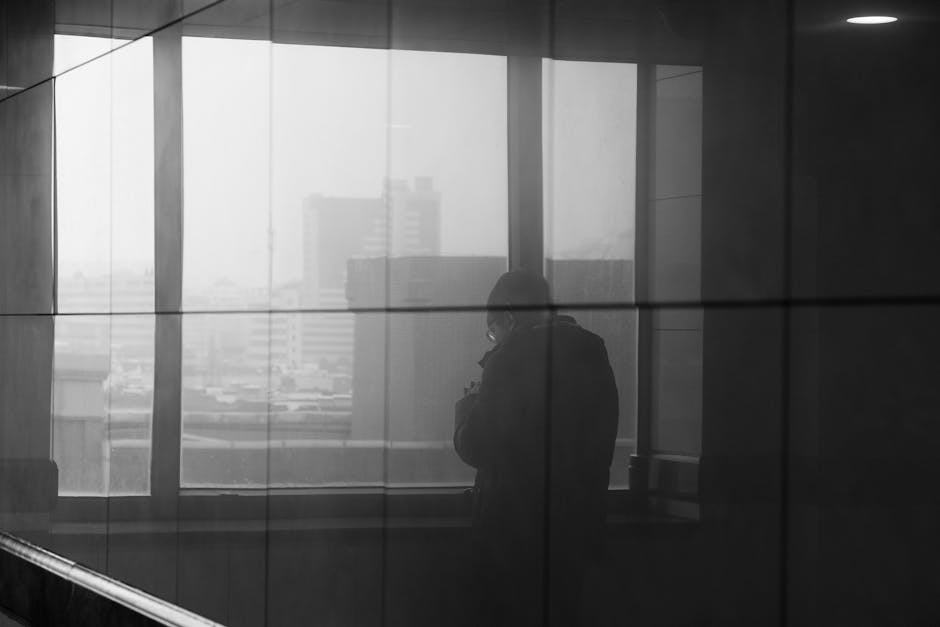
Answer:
(73, 50)
(432, 358)
(380, 153)
(448, 201)
(329, 166)
(226, 149)
(83, 181)
(589, 186)
(132, 177)
(676, 205)
(676, 421)
(104, 178)
(283, 400)
(618, 329)
(225, 395)
(589, 179)
(448, 181)
(103, 403)
(103, 384)
(328, 401)
(675, 250)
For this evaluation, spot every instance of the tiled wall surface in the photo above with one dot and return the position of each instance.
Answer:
(245, 248)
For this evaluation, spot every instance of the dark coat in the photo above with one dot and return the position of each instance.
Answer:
(541, 434)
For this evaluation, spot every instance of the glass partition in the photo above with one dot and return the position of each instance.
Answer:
(104, 144)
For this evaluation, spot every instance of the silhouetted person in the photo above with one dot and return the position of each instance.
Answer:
(540, 429)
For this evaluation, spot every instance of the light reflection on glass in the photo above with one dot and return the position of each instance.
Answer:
(103, 404)
(105, 177)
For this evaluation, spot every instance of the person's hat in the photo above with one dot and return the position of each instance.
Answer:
(516, 288)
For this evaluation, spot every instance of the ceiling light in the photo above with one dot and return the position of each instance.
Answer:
(872, 19)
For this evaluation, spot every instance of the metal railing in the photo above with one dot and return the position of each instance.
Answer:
(139, 602)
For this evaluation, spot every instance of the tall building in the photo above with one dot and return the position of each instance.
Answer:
(337, 231)
(402, 221)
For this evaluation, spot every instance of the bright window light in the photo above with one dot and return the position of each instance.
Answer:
(872, 19)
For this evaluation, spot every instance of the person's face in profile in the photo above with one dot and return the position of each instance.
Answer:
(500, 328)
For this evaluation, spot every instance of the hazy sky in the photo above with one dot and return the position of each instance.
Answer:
(104, 156)
(589, 158)
(266, 125)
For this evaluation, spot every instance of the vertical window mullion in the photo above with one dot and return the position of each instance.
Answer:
(525, 162)
(168, 247)
(643, 272)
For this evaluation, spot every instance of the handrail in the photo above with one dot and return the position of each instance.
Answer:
(145, 604)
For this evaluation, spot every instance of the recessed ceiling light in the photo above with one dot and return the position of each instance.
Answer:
(872, 19)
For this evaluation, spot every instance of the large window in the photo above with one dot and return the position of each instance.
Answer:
(102, 404)
(343, 178)
(105, 176)
(589, 206)
(103, 383)
(345, 212)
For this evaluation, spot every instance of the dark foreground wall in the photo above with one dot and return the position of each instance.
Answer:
(402, 576)
(785, 309)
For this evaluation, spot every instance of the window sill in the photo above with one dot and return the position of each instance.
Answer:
(363, 507)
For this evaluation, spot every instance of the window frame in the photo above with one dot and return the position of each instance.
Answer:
(167, 499)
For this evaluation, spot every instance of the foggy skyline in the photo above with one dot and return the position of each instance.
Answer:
(266, 126)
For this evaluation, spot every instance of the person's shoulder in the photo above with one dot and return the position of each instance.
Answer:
(575, 339)
(567, 326)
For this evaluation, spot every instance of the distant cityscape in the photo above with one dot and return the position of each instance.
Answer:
(296, 398)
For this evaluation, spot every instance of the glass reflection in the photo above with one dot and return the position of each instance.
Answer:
(447, 154)
(377, 154)
(105, 178)
(328, 164)
(676, 425)
(676, 192)
(103, 404)
(226, 147)
(327, 400)
(589, 180)
(73, 50)
(283, 400)
(539, 427)
(448, 207)
(225, 396)
(432, 357)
